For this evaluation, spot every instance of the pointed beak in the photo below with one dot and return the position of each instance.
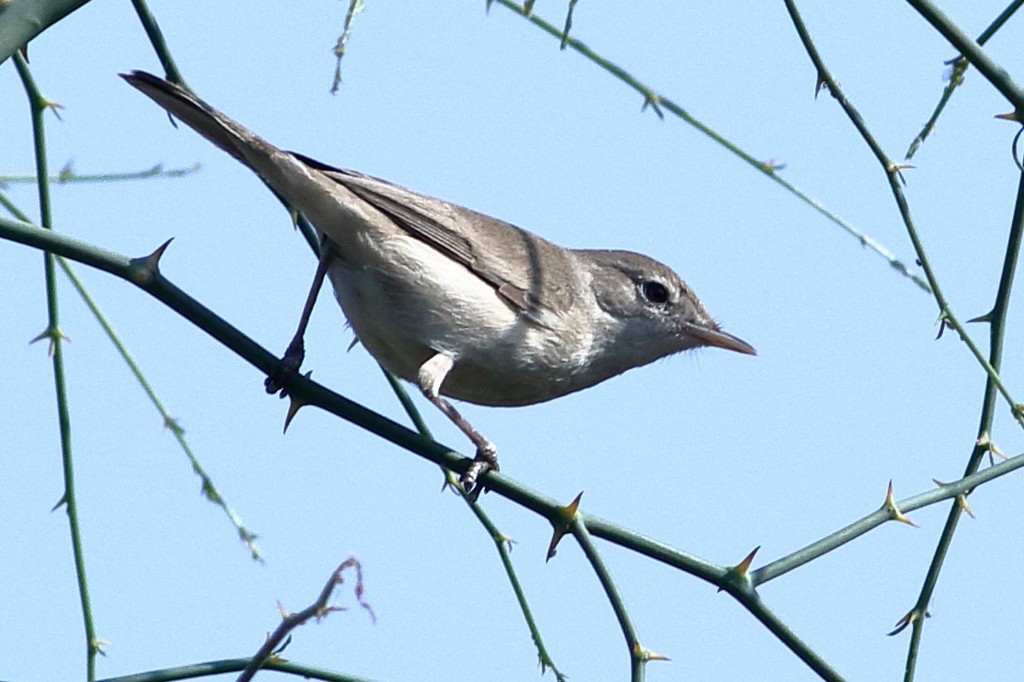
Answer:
(720, 339)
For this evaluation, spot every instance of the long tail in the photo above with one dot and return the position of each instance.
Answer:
(325, 202)
(235, 139)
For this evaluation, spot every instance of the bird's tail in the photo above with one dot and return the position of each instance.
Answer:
(327, 204)
(232, 137)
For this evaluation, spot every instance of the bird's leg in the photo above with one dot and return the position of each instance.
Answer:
(296, 351)
(431, 375)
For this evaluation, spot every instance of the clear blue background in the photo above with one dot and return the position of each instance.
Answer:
(711, 452)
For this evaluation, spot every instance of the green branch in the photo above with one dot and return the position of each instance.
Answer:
(995, 74)
(956, 77)
(996, 317)
(156, 39)
(234, 665)
(661, 104)
(500, 540)
(956, 490)
(144, 273)
(23, 20)
(208, 488)
(53, 334)
(67, 175)
(983, 446)
(638, 656)
(893, 175)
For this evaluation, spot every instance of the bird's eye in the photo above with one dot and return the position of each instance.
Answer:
(654, 292)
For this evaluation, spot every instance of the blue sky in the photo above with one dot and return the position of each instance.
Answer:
(712, 452)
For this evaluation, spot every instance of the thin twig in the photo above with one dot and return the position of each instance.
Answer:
(994, 384)
(892, 172)
(156, 39)
(320, 608)
(208, 488)
(956, 77)
(983, 445)
(660, 104)
(354, 8)
(53, 334)
(638, 656)
(995, 74)
(144, 274)
(500, 540)
(67, 175)
(946, 491)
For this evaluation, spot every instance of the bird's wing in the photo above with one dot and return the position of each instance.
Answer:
(522, 268)
(532, 275)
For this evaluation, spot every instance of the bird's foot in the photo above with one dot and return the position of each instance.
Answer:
(286, 368)
(486, 460)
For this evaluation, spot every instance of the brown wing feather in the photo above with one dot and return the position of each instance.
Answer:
(518, 269)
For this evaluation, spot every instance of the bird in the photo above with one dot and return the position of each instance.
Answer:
(461, 304)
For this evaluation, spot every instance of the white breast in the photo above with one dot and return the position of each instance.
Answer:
(414, 302)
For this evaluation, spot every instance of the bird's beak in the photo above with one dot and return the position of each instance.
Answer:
(720, 339)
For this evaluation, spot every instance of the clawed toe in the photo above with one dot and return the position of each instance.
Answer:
(286, 368)
(486, 460)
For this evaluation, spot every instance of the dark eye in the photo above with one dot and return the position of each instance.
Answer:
(655, 292)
